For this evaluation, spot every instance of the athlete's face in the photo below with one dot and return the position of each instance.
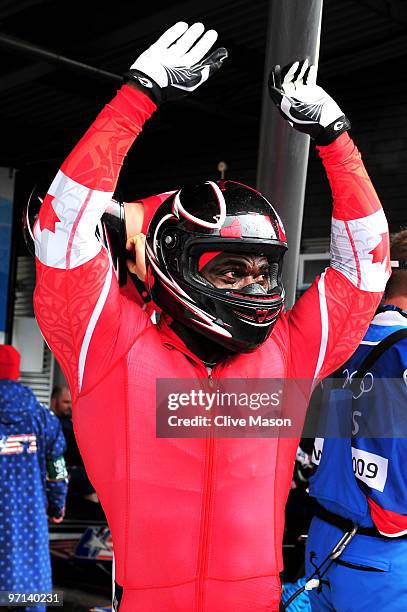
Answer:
(232, 271)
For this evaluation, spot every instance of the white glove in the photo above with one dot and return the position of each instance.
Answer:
(175, 65)
(307, 107)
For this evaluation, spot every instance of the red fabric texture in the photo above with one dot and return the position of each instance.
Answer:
(9, 362)
(387, 522)
(98, 157)
(197, 524)
(353, 193)
(151, 204)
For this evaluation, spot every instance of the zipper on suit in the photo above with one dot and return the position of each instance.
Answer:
(207, 511)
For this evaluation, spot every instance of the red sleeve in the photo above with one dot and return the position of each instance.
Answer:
(390, 524)
(77, 301)
(151, 204)
(328, 322)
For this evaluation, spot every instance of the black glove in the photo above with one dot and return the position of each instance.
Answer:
(175, 65)
(307, 107)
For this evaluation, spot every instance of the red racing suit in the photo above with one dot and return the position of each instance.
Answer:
(197, 524)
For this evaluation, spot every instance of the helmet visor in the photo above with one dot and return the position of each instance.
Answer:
(225, 265)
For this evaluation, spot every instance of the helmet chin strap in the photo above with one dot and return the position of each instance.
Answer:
(253, 289)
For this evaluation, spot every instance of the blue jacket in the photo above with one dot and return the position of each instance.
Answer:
(364, 477)
(31, 439)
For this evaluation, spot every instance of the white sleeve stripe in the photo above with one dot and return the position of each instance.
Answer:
(113, 582)
(74, 228)
(92, 324)
(323, 308)
(72, 238)
(359, 250)
(355, 254)
(393, 535)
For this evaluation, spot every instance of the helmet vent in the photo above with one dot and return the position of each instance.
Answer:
(219, 208)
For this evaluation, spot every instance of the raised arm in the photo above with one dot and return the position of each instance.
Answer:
(329, 320)
(77, 301)
(75, 280)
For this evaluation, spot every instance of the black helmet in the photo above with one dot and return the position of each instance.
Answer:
(225, 216)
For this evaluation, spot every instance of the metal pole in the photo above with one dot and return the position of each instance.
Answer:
(293, 33)
(26, 48)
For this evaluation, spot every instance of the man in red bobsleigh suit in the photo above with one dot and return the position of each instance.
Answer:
(197, 524)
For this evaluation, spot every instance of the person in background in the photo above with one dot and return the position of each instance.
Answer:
(33, 483)
(61, 401)
(61, 405)
(361, 479)
(81, 494)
